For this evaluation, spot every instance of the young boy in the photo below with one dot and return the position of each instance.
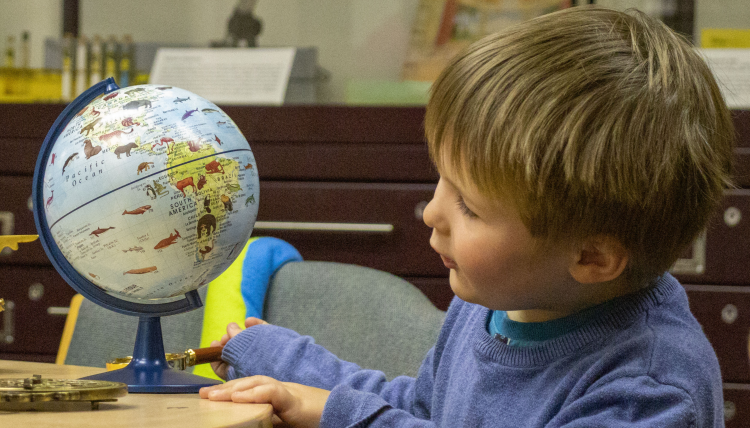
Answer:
(580, 153)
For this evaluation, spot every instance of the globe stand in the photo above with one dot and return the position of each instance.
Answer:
(148, 372)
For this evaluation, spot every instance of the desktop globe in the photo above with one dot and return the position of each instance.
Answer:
(149, 192)
(142, 195)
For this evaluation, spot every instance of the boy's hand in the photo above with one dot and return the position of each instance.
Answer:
(295, 404)
(220, 368)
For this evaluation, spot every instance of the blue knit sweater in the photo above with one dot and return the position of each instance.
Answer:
(644, 363)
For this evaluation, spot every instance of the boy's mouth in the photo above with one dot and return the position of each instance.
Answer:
(449, 263)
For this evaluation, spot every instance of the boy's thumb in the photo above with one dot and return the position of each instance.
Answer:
(251, 321)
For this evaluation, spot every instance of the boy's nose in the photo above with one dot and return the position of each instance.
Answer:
(428, 214)
(433, 216)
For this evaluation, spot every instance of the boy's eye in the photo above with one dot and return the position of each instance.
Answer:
(464, 209)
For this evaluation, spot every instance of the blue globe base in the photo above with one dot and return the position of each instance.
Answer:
(149, 371)
(156, 380)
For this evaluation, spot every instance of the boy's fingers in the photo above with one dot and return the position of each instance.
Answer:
(267, 391)
(274, 394)
(223, 392)
(203, 392)
(206, 391)
(233, 329)
(251, 321)
(295, 404)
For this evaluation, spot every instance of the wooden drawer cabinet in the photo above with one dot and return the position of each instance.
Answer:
(335, 144)
(36, 299)
(736, 405)
(16, 218)
(728, 242)
(375, 225)
(724, 314)
(720, 256)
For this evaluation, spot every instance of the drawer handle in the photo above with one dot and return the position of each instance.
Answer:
(324, 227)
(695, 265)
(58, 310)
(6, 335)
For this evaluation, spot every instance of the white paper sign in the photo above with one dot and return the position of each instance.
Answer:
(226, 75)
(731, 67)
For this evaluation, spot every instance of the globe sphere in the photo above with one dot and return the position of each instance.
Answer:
(149, 192)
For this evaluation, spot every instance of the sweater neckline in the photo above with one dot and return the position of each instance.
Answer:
(529, 333)
(624, 312)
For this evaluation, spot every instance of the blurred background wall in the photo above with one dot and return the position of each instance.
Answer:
(361, 39)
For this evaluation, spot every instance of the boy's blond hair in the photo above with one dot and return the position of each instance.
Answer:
(595, 122)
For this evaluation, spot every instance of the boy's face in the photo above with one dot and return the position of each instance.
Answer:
(493, 259)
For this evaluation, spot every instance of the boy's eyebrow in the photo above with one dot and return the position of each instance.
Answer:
(459, 190)
(451, 182)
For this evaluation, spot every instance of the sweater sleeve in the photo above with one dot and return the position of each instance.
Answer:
(286, 356)
(630, 402)
(366, 399)
(289, 357)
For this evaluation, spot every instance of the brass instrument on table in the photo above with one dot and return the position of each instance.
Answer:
(182, 361)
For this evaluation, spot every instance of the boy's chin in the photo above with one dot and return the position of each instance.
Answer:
(468, 294)
(461, 290)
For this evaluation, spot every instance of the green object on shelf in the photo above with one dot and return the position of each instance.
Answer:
(387, 92)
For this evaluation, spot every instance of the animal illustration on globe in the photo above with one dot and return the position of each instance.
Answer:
(90, 126)
(186, 182)
(141, 270)
(214, 167)
(227, 201)
(159, 188)
(137, 104)
(51, 196)
(129, 122)
(206, 224)
(137, 211)
(99, 231)
(125, 149)
(69, 160)
(144, 166)
(188, 113)
(166, 242)
(89, 149)
(114, 135)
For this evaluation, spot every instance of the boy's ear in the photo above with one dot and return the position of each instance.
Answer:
(600, 258)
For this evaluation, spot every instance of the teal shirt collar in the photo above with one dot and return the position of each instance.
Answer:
(516, 333)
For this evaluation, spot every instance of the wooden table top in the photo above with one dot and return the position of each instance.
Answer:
(132, 410)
